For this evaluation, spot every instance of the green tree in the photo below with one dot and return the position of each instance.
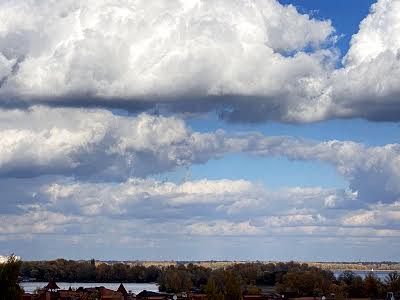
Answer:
(9, 287)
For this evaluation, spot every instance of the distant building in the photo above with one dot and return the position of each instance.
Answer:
(52, 292)
(107, 294)
(28, 296)
(151, 295)
(51, 286)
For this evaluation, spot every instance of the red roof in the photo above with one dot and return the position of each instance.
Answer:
(52, 285)
(122, 289)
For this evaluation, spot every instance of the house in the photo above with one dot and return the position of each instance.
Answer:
(27, 296)
(127, 296)
(107, 294)
(151, 295)
(255, 297)
(67, 295)
(51, 286)
(52, 292)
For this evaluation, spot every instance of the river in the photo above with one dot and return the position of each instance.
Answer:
(136, 288)
(380, 274)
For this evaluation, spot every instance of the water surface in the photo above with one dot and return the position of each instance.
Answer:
(136, 288)
(380, 274)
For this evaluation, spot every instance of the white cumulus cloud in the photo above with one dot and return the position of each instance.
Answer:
(369, 84)
(95, 144)
(249, 60)
(125, 52)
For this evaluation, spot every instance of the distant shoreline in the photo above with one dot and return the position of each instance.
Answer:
(384, 266)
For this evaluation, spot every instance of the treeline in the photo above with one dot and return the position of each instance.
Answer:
(90, 271)
(365, 266)
(292, 279)
(317, 282)
(87, 271)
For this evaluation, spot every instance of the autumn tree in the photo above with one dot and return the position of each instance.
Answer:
(352, 283)
(233, 289)
(252, 290)
(313, 282)
(392, 282)
(174, 281)
(223, 285)
(212, 290)
(371, 285)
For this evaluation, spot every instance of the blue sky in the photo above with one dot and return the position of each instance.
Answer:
(345, 15)
(275, 172)
(185, 131)
(279, 172)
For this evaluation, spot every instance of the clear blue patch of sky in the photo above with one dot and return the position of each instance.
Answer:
(278, 172)
(357, 130)
(273, 172)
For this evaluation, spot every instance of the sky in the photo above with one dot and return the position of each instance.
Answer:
(200, 130)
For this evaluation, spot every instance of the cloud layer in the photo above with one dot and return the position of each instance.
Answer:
(249, 60)
(369, 84)
(75, 172)
(97, 145)
(147, 213)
